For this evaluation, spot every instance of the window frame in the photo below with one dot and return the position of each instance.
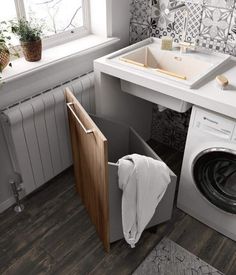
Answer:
(66, 36)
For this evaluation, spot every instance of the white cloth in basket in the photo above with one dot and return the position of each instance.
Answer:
(144, 181)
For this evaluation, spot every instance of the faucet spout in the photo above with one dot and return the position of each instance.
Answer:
(182, 6)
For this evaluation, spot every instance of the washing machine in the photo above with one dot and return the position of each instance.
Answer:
(207, 189)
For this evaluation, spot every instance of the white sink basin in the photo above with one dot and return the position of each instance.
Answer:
(188, 69)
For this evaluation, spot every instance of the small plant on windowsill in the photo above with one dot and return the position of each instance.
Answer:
(6, 49)
(4, 43)
(29, 33)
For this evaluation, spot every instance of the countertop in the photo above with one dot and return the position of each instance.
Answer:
(206, 94)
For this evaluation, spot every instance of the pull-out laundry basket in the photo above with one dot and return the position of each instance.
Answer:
(97, 145)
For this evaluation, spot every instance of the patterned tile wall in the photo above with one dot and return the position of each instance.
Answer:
(211, 24)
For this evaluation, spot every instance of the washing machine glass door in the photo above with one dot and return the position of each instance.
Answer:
(214, 172)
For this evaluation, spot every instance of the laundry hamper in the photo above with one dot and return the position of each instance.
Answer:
(97, 145)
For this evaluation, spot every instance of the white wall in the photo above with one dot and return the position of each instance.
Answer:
(111, 18)
(120, 20)
(116, 23)
(98, 11)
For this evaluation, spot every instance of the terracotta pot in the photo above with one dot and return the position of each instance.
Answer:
(4, 58)
(32, 50)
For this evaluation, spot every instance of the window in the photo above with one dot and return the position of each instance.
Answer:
(9, 11)
(64, 20)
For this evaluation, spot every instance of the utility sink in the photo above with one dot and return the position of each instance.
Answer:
(186, 68)
(171, 69)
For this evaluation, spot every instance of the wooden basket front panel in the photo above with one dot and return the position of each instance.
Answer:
(90, 156)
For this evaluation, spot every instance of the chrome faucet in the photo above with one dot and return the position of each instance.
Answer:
(184, 45)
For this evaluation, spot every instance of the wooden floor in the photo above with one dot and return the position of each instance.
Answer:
(54, 235)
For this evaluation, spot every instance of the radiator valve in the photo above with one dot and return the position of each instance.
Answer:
(16, 189)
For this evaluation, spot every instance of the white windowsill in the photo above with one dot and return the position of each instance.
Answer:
(20, 67)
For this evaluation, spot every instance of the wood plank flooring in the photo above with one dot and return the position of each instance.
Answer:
(54, 235)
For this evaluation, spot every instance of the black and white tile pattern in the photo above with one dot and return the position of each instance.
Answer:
(211, 44)
(232, 29)
(211, 24)
(141, 11)
(195, 13)
(170, 127)
(138, 32)
(215, 23)
(230, 48)
(220, 3)
(158, 13)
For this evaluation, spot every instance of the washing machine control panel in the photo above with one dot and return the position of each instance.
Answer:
(215, 124)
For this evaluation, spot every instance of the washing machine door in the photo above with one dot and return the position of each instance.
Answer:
(214, 173)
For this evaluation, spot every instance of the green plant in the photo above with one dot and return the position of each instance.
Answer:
(4, 34)
(27, 30)
(4, 37)
(5, 43)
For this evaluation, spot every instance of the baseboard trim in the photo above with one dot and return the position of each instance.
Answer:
(6, 204)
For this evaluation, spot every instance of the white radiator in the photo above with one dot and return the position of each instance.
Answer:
(37, 132)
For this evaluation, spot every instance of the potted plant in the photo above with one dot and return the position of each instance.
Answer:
(4, 42)
(29, 33)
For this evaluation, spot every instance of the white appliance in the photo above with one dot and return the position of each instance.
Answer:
(208, 179)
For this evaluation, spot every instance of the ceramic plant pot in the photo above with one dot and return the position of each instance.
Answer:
(4, 58)
(32, 50)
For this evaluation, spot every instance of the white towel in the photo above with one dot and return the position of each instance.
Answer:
(144, 181)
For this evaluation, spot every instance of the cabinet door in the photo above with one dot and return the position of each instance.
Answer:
(90, 155)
